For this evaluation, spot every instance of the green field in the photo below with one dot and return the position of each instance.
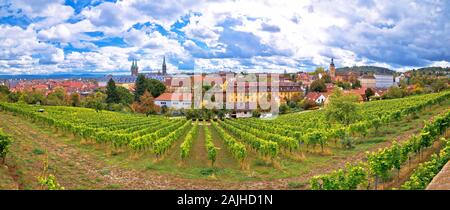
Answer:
(108, 150)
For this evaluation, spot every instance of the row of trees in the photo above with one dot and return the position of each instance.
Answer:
(415, 86)
(113, 97)
(58, 97)
(141, 101)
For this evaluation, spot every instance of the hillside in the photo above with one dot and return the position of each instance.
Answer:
(367, 69)
(433, 70)
(110, 150)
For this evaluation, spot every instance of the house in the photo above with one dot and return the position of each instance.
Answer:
(368, 81)
(175, 100)
(384, 81)
(319, 98)
(346, 76)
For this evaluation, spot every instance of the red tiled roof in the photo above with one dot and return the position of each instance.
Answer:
(40, 86)
(313, 95)
(174, 97)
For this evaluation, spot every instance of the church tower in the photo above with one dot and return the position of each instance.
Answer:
(164, 67)
(134, 68)
(332, 69)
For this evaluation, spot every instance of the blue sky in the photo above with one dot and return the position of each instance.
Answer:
(97, 36)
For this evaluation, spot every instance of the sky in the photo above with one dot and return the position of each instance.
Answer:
(103, 36)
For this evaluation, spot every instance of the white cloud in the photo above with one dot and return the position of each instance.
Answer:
(443, 64)
(239, 34)
(46, 13)
(19, 49)
(203, 29)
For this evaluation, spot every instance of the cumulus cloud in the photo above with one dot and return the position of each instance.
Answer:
(20, 48)
(236, 35)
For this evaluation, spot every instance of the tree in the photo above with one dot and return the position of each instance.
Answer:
(327, 78)
(75, 99)
(112, 96)
(318, 86)
(307, 104)
(319, 70)
(125, 95)
(438, 85)
(297, 97)
(344, 85)
(342, 108)
(95, 101)
(4, 92)
(369, 93)
(155, 87)
(4, 89)
(5, 142)
(146, 105)
(256, 114)
(13, 97)
(284, 109)
(56, 98)
(33, 97)
(394, 92)
(356, 84)
(140, 87)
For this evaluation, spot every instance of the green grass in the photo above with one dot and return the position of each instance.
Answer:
(296, 185)
(38, 151)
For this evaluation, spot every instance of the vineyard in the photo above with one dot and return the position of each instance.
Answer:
(255, 149)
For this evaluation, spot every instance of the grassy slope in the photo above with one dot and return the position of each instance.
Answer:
(79, 165)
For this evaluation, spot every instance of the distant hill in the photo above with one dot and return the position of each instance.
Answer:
(367, 69)
(433, 70)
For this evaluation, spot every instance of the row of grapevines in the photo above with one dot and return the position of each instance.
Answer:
(343, 179)
(284, 141)
(237, 149)
(104, 127)
(186, 146)
(5, 142)
(425, 173)
(384, 160)
(210, 148)
(160, 146)
(373, 113)
(145, 142)
(264, 147)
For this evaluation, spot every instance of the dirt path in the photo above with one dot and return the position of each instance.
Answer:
(198, 156)
(224, 158)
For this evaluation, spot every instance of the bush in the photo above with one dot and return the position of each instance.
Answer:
(5, 142)
(284, 109)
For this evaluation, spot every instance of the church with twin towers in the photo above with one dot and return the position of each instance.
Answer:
(135, 68)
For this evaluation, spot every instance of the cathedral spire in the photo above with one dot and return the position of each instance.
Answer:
(164, 67)
(134, 67)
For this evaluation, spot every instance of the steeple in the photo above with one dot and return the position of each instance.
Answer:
(164, 67)
(134, 68)
(332, 69)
